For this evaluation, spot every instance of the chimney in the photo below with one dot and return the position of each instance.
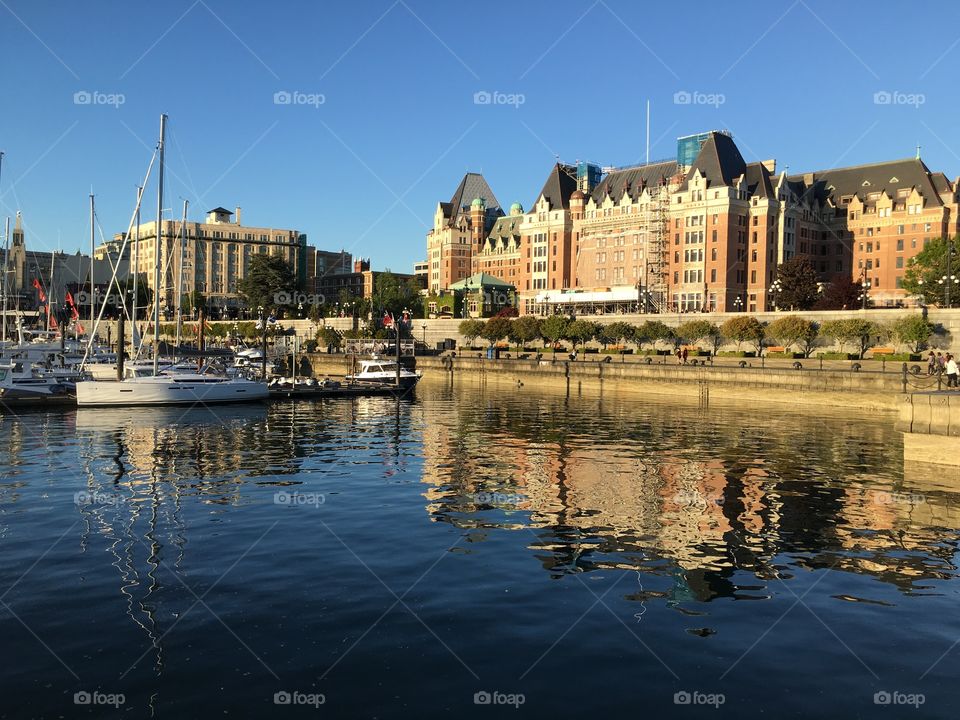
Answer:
(808, 178)
(236, 216)
(770, 165)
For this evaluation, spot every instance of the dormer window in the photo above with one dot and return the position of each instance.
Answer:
(865, 183)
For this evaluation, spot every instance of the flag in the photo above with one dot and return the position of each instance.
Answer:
(71, 306)
(36, 284)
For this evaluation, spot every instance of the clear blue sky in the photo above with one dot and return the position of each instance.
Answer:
(398, 125)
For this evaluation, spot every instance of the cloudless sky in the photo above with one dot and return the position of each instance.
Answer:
(398, 125)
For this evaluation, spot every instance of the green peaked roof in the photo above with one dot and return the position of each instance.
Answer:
(481, 280)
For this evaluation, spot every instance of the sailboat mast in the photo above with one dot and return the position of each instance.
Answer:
(92, 314)
(6, 266)
(156, 264)
(183, 242)
(53, 265)
(136, 274)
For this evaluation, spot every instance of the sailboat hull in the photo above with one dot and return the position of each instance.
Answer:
(162, 390)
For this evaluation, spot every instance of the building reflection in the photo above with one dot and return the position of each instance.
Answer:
(699, 502)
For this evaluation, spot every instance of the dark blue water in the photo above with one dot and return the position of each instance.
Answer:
(473, 553)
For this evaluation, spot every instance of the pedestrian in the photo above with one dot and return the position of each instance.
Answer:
(940, 361)
(685, 356)
(679, 356)
(951, 368)
(931, 363)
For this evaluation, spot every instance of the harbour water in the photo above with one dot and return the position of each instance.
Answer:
(473, 552)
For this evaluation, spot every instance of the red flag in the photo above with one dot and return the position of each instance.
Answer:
(73, 308)
(36, 284)
(53, 320)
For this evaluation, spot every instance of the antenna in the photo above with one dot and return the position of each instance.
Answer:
(648, 132)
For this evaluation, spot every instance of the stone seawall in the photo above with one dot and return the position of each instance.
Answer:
(869, 390)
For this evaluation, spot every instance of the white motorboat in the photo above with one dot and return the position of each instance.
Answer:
(23, 383)
(170, 387)
(384, 372)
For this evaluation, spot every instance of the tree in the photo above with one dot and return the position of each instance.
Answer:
(792, 330)
(693, 331)
(525, 329)
(854, 331)
(328, 337)
(192, 301)
(471, 329)
(393, 295)
(269, 283)
(619, 331)
(580, 331)
(652, 331)
(744, 328)
(508, 312)
(841, 294)
(494, 329)
(929, 266)
(553, 329)
(799, 284)
(913, 331)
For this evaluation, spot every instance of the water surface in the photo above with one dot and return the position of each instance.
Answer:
(415, 558)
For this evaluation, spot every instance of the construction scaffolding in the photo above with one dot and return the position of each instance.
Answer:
(656, 245)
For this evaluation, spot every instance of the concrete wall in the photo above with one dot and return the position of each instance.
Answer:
(873, 390)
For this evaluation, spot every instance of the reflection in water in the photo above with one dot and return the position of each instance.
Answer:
(698, 498)
(532, 500)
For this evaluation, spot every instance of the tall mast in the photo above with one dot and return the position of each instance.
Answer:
(53, 265)
(134, 339)
(156, 264)
(6, 265)
(183, 242)
(92, 314)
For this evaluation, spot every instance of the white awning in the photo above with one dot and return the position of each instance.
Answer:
(627, 294)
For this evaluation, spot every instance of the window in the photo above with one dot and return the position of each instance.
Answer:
(713, 275)
(900, 245)
(713, 236)
(899, 229)
(713, 253)
(900, 261)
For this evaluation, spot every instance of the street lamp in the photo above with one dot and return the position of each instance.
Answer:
(738, 303)
(864, 296)
(775, 289)
(947, 282)
(424, 326)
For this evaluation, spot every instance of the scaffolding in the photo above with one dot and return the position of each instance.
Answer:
(656, 247)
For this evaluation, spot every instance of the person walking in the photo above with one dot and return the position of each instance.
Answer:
(931, 363)
(684, 356)
(951, 370)
(679, 356)
(940, 361)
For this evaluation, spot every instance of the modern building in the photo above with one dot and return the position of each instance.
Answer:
(321, 263)
(703, 231)
(338, 289)
(215, 255)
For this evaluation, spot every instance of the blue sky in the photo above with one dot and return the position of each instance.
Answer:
(383, 120)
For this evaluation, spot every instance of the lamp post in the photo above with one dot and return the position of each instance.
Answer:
(737, 303)
(947, 281)
(864, 296)
(424, 326)
(775, 289)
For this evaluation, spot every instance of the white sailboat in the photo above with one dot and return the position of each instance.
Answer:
(153, 386)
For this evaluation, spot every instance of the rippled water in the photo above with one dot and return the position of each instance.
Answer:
(396, 558)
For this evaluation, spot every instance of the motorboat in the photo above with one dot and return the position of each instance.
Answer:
(19, 382)
(384, 372)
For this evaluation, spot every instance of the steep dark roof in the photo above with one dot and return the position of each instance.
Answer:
(471, 187)
(560, 184)
(481, 280)
(719, 161)
(758, 181)
(887, 176)
(635, 178)
(507, 226)
(220, 210)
